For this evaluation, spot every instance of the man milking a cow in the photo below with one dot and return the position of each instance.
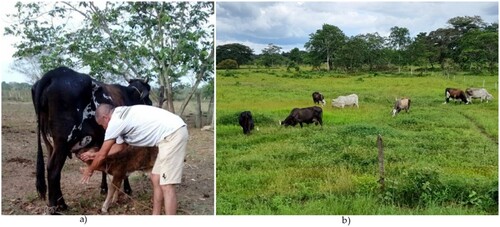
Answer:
(145, 126)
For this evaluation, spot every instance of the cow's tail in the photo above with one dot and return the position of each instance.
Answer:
(41, 187)
(37, 94)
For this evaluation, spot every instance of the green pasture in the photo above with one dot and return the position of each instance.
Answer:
(439, 159)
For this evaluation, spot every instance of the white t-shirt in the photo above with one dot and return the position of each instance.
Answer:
(141, 125)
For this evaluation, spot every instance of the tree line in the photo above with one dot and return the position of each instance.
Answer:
(466, 43)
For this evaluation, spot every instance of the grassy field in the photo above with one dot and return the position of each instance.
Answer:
(439, 159)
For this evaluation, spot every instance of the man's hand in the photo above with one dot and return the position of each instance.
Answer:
(98, 159)
(87, 173)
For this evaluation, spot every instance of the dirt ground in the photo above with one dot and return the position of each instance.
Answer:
(195, 195)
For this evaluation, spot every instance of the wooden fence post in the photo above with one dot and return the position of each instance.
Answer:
(380, 146)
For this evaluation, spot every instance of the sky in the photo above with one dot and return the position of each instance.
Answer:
(289, 24)
(6, 48)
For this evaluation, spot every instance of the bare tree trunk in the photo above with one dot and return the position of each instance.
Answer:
(161, 96)
(198, 120)
(199, 77)
(170, 97)
(328, 60)
(210, 113)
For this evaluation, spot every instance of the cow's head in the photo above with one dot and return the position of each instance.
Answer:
(142, 87)
(290, 120)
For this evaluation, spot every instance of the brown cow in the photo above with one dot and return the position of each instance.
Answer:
(456, 94)
(120, 164)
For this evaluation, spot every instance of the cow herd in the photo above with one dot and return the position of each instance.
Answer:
(314, 114)
(467, 95)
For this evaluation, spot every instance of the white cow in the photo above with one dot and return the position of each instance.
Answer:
(479, 93)
(341, 101)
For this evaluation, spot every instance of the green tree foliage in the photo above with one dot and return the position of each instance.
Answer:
(297, 55)
(227, 64)
(479, 48)
(239, 52)
(466, 43)
(353, 53)
(374, 50)
(399, 40)
(162, 40)
(271, 55)
(326, 44)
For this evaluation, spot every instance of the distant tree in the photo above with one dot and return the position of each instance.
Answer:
(239, 52)
(271, 55)
(418, 51)
(479, 47)
(29, 67)
(326, 43)
(227, 64)
(442, 41)
(466, 23)
(296, 56)
(374, 49)
(399, 40)
(353, 53)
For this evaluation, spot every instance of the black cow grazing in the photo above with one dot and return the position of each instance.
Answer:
(456, 94)
(307, 115)
(65, 102)
(246, 122)
(318, 97)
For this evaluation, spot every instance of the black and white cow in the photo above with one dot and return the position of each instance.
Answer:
(456, 94)
(318, 97)
(65, 102)
(306, 115)
(246, 122)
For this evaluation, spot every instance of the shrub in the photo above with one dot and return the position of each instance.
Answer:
(227, 64)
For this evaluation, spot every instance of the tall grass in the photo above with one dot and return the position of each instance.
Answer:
(440, 159)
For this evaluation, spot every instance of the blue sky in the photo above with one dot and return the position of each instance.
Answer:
(289, 24)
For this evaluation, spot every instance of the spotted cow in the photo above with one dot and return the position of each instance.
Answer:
(65, 102)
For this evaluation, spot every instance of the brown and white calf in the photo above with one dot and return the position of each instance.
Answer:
(401, 104)
(120, 164)
(456, 94)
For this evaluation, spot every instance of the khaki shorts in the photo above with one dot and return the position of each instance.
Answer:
(171, 154)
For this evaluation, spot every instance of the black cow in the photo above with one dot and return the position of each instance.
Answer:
(455, 94)
(65, 102)
(304, 115)
(246, 122)
(318, 97)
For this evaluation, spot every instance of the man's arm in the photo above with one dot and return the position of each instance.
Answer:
(99, 158)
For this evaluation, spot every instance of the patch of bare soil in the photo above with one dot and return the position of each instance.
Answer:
(195, 194)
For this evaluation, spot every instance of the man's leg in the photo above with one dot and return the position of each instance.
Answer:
(157, 193)
(168, 167)
(170, 199)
